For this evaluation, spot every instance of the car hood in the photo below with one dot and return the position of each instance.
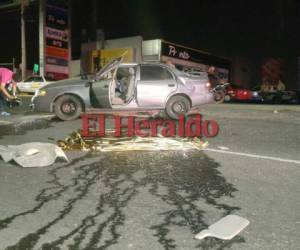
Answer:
(65, 83)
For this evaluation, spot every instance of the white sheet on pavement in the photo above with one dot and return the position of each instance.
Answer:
(34, 154)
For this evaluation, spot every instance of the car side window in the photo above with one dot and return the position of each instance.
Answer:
(154, 73)
(30, 79)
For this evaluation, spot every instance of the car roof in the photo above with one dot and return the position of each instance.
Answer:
(143, 63)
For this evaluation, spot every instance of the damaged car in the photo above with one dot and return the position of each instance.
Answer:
(125, 87)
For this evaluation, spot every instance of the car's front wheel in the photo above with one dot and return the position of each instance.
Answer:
(68, 107)
(177, 105)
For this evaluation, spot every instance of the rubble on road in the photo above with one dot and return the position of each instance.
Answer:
(111, 143)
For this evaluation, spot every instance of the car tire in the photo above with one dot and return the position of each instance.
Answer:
(176, 106)
(68, 107)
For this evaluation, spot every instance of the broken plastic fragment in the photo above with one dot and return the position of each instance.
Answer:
(34, 154)
(224, 229)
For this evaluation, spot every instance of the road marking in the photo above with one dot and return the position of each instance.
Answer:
(252, 155)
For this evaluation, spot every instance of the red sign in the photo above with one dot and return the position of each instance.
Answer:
(57, 76)
(57, 52)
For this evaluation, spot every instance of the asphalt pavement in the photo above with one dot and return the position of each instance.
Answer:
(161, 199)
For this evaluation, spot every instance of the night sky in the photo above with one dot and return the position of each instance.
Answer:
(228, 28)
(224, 27)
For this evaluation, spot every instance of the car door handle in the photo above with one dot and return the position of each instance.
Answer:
(106, 86)
(171, 85)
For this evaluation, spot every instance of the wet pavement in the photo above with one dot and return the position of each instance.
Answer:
(157, 199)
(124, 197)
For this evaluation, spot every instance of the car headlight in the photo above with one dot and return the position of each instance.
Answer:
(41, 93)
(255, 94)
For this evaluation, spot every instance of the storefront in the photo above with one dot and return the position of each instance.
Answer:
(134, 49)
(185, 58)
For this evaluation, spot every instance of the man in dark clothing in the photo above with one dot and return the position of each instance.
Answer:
(213, 77)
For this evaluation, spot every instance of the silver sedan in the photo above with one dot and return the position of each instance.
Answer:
(125, 87)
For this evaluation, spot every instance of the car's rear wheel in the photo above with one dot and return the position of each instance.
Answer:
(68, 107)
(176, 106)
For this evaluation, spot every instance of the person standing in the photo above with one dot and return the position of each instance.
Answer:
(213, 76)
(6, 78)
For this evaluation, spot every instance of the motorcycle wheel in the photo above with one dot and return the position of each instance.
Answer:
(219, 96)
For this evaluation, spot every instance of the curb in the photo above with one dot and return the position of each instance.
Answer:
(19, 125)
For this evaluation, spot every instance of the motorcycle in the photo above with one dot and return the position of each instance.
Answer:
(219, 92)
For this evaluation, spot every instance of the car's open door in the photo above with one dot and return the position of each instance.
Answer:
(100, 90)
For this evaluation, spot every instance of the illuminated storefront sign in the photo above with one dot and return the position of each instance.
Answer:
(57, 49)
(185, 57)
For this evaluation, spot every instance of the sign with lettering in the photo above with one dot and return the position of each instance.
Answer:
(192, 55)
(57, 39)
(61, 35)
(56, 61)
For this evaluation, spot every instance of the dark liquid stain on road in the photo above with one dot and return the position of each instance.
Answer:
(187, 177)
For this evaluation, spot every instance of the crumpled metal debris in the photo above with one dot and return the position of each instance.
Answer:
(111, 143)
(34, 154)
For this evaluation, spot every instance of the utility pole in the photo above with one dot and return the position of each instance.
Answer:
(24, 3)
(41, 36)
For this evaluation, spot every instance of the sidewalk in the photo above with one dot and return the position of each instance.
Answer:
(255, 107)
(20, 123)
(251, 111)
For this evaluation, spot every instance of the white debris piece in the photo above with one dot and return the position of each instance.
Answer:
(224, 229)
(223, 148)
(34, 154)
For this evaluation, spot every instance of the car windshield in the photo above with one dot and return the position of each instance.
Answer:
(108, 67)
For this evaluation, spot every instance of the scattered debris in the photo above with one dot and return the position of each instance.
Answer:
(224, 229)
(275, 111)
(111, 143)
(223, 148)
(34, 154)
